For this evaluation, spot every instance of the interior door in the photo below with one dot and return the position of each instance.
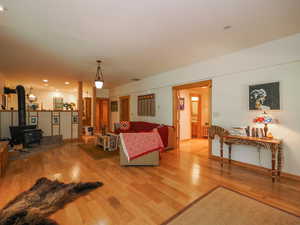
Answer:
(124, 108)
(102, 113)
(196, 110)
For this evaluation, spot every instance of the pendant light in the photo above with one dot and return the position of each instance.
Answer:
(31, 97)
(99, 76)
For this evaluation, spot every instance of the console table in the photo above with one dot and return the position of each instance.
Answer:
(274, 145)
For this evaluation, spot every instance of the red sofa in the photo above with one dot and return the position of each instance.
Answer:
(167, 133)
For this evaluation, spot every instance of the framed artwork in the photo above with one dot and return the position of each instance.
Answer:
(264, 96)
(181, 103)
(33, 120)
(58, 103)
(74, 119)
(55, 119)
(114, 106)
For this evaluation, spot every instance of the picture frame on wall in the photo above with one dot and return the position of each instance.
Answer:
(55, 119)
(33, 120)
(181, 103)
(114, 106)
(264, 96)
(74, 119)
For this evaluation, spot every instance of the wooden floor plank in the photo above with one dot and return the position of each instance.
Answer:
(141, 195)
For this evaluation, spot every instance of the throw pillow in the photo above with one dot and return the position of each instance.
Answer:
(124, 125)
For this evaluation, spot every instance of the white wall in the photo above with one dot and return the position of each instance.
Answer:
(231, 75)
(102, 93)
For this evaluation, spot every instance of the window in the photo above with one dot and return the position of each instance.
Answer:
(146, 105)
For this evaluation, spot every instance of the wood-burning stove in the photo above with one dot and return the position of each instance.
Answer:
(23, 134)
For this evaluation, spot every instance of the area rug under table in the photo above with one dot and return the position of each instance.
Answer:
(98, 152)
(222, 206)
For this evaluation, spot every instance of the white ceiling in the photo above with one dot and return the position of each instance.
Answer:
(60, 40)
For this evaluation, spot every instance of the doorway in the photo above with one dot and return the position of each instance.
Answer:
(125, 108)
(102, 114)
(192, 116)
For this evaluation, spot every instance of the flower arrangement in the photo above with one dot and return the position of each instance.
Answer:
(69, 106)
(263, 118)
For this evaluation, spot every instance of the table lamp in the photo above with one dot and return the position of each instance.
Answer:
(265, 119)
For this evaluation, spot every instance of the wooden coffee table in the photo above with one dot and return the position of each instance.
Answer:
(109, 141)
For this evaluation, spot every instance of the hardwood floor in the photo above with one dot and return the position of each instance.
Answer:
(141, 195)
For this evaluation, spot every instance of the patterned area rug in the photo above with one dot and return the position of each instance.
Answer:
(41, 200)
(222, 206)
(47, 143)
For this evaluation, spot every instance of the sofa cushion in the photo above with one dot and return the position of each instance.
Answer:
(140, 126)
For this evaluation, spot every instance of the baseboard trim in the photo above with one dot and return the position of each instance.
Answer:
(256, 168)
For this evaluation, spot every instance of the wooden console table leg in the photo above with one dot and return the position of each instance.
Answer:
(279, 153)
(221, 152)
(273, 163)
(230, 146)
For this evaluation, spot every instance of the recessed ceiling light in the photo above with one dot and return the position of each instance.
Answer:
(67, 82)
(45, 81)
(227, 27)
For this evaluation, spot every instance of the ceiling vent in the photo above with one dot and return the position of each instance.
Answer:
(135, 79)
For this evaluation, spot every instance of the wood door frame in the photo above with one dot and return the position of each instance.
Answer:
(97, 99)
(120, 111)
(176, 89)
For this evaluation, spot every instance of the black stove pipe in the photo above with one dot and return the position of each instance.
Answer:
(21, 105)
(20, 90)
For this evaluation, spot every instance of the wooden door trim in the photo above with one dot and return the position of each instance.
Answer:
(176, 108)
(175, 118)
(121, 98)
(194, 85)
